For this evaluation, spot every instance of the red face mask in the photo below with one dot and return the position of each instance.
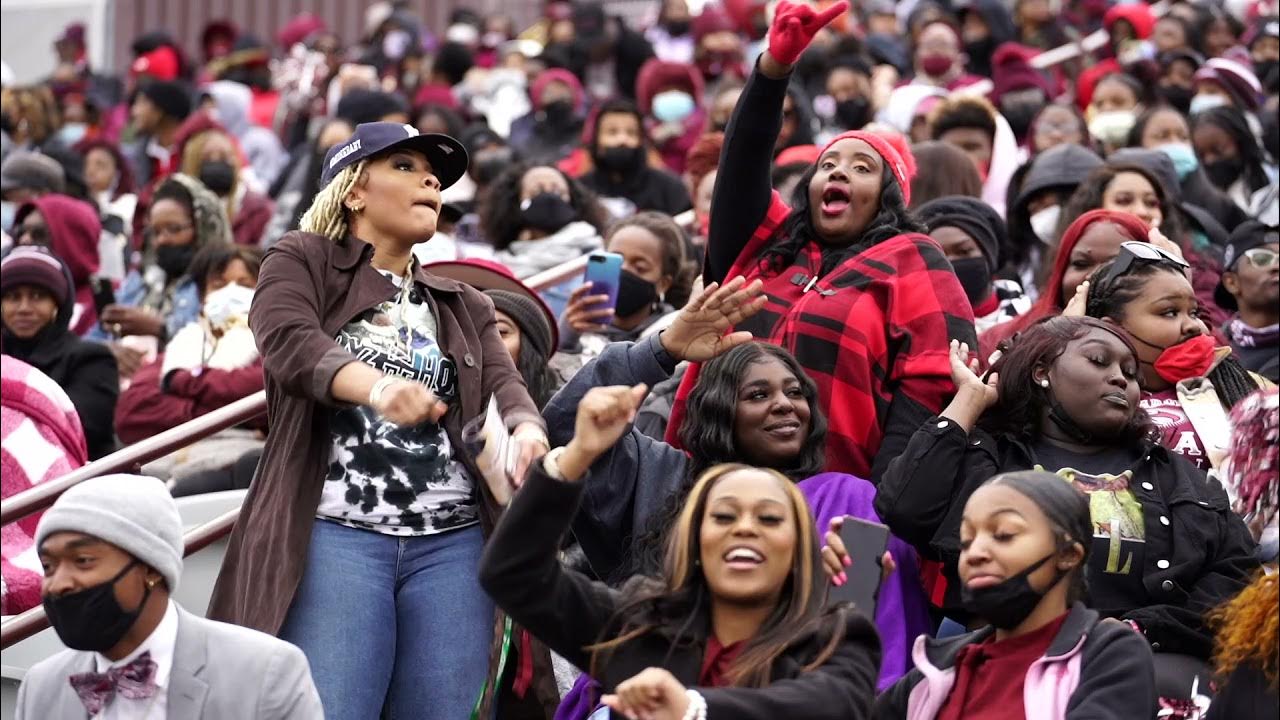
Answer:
(1188, 359)
(936, 65)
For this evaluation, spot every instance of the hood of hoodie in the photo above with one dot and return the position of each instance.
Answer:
(232, 101)
(657, 74)
(74, 229)
(211, 223)
(1060, 166)
(995, 13)
(900, 111)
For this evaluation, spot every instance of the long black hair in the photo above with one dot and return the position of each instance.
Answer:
(1067, 511)
(1109, 298)
(707, 434)
(1088, 196)
(1023, 401)
(1231, 121)
(797, 230)
(538, 377)
(499, 208)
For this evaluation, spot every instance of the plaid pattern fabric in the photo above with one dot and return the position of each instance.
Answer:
(40, 439)
(879, 324)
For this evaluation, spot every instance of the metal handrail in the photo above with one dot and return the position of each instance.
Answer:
(126, 459)
(26, 624)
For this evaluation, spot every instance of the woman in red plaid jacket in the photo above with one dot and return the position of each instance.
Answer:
(864, 300)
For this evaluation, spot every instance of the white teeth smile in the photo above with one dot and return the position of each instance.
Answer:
(743, 554)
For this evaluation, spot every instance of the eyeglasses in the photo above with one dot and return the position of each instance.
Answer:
(1262, 258)
(1132, 253)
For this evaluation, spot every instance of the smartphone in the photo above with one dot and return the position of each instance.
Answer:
(604, 269)
(103, 293)
(865, 542)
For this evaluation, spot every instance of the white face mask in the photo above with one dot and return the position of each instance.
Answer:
(223, 305)
(1200, 103)
(1044, 223)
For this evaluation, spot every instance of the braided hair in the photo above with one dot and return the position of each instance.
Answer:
(1108, 298)
(327, 215)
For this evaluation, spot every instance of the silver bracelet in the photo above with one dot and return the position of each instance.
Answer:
(697, 709)
(375, 392)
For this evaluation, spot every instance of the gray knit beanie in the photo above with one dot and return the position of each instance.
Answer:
(533, 322)
(135, 513)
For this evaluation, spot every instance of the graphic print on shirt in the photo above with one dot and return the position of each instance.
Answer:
(397, 480)
(1176, 431)
(1118, 526)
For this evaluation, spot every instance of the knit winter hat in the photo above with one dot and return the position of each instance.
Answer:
(36, 265)
(1235, 78)
(534, 327)
(135, 513)
(975, 218)
(173, 98)
(895, 152)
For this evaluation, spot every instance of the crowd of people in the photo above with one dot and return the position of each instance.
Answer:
(1001, 277)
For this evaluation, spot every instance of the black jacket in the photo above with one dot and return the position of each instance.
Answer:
(85, 370)
(1116, 680)
(568, 612)
(1198, 553)
(648, 188)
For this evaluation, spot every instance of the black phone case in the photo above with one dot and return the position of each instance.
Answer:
(865, 543)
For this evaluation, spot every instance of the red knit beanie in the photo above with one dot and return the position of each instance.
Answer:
(892, 149)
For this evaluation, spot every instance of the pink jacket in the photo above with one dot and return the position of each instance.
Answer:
(1094, 668)
(41, 440)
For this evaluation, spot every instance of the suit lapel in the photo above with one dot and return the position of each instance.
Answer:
(187, 688)
(66, 703)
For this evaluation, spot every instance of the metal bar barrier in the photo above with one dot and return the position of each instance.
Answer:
(23, 626)
(126, 459)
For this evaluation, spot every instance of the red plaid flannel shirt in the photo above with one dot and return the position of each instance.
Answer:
(878, 324)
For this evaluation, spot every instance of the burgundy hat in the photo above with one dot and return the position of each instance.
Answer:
(35, 265)
(1237, 79)
(489, 275)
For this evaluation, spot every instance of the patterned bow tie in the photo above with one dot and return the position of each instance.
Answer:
(135, 681)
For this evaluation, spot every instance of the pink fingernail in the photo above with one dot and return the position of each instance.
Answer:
(837, 581)
(846, 560)
(843, 578)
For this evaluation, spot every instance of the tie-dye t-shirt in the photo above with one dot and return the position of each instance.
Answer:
(1119, 531)
(383, 477)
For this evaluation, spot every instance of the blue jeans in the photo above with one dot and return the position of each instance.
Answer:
(399, 622)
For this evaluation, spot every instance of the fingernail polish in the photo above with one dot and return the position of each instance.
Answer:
(837, 581)
(843, 578)
(846, 560)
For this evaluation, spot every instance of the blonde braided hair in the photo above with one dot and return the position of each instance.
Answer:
(327, 215)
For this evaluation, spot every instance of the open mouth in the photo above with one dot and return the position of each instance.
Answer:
(835, 200)
(1118, 399)
(742, 557)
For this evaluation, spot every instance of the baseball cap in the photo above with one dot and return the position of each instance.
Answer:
(447, 156)
(1247, 236)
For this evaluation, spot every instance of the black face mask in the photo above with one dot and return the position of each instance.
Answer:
(1007, 604)
(974, 275)
(620, 159)
(634, 294)
(1020, 116)
(1178, 96)
(1224, 171)
(1263, 69)
(175, 259)
(92, 619)
(547, 212)
(676, 28)
(488, 165)
(558, 114)
(981, 49)
(853, 114)
(218, 176)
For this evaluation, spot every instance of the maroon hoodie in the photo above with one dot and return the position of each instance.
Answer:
(74, 230)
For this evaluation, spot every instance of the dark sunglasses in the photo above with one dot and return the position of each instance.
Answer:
(1132, 253)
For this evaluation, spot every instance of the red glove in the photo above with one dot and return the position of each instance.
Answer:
(794, 27)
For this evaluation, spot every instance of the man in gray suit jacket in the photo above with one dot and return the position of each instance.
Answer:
(112, 552)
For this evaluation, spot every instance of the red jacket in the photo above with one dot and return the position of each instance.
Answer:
(145, 410)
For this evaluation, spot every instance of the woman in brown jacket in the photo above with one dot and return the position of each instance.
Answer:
(361, 535)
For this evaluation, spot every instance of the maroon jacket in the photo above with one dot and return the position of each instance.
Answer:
(146, 409)
(251, 220)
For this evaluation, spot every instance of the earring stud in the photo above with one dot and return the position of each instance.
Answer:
(1044, 384)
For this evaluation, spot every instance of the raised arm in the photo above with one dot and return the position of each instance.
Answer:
(743, 193)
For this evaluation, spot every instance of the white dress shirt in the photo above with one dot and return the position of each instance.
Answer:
(161, 644)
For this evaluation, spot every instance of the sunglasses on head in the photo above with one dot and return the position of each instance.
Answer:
(1133, 253)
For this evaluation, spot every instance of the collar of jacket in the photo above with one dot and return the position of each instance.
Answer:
(942, 653)
(350, 251)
